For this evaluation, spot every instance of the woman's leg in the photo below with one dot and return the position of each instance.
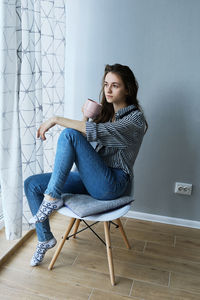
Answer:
(94, 177)
(34, 187)
(100, 181)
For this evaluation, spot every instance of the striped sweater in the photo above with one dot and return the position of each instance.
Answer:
(118, 142)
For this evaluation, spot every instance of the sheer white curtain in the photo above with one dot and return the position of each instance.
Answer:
(32, 85)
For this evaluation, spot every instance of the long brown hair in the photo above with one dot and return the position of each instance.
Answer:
(131, 86)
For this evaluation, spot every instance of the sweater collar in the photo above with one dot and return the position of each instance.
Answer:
(125, 110)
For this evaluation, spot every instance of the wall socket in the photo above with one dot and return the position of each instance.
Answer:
(183, 188)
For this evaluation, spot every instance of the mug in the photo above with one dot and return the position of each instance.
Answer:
(91, 109)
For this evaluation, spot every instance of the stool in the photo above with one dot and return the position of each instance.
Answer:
(107, 218)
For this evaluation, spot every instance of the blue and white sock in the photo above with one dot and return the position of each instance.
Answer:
(41, 249)
(46, 208)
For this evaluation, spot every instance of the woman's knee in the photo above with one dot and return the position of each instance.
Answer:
(37, 183)
(30, 181)
(69, 133)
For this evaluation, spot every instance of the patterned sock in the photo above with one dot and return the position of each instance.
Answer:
(41, 249)
(45, 210)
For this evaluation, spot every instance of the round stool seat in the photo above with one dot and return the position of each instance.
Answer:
(108, 216)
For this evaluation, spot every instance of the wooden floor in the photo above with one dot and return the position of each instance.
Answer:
(164, 263)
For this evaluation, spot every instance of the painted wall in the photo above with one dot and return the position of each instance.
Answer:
(160, 41)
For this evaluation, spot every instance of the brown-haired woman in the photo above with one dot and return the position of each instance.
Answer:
(103, 172)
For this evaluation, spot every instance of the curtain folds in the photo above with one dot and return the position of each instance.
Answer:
(32, 85)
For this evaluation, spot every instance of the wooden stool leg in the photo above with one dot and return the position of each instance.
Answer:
(72, 221)
(109, 253)
(76, 227)
(119, 223)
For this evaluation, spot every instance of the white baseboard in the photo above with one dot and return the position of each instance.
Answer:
(163, 219)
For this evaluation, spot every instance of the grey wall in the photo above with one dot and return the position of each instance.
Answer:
(160, 41)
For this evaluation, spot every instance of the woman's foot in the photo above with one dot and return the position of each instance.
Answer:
(41, 249)
(46, 208)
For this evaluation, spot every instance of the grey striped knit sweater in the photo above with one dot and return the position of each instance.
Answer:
(118, 142)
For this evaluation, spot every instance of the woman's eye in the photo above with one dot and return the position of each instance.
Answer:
(115, 85)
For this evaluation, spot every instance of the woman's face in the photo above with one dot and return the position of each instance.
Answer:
(114, 89)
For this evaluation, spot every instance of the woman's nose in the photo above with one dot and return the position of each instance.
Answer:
(109, 89)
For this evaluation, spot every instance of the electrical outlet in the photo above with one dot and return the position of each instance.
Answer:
(183, 188)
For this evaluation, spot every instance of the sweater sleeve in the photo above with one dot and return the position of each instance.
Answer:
(121, 133)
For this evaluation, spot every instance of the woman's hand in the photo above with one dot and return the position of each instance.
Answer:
(45, 127)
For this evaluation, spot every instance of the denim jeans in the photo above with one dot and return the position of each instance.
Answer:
(92, 177)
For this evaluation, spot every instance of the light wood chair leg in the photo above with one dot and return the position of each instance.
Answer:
(109, 253)
(71, 224)
(76, 227)
(119, 223)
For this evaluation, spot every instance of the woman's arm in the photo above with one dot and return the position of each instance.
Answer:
(119, 134)
(65, 122)
(69, 123)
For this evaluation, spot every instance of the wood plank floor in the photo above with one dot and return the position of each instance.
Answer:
(163, 263)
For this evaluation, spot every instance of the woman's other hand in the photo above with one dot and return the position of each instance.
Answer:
(45, 127)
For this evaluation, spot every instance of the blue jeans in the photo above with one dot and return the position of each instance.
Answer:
(92, 177)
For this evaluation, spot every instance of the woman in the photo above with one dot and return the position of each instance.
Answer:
(104, 172)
